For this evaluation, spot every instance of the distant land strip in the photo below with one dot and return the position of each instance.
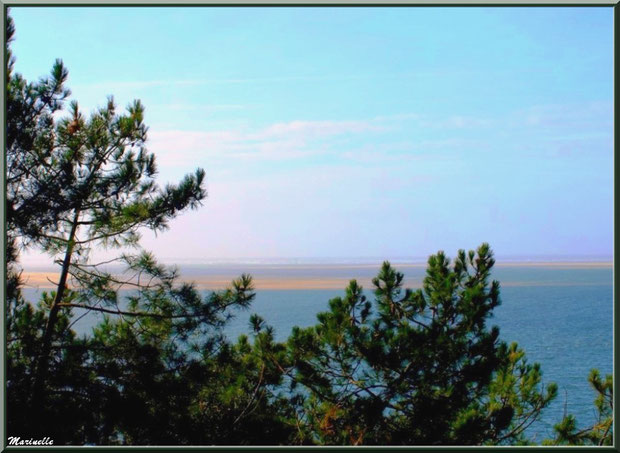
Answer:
(273, 281)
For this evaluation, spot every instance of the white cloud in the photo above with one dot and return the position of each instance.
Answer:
(400, 137)
(292, 139)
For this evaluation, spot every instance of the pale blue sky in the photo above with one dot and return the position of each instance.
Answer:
(350, 132)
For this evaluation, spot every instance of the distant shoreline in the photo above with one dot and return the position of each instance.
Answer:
(225, 265)
(272, 281)
(566, 264)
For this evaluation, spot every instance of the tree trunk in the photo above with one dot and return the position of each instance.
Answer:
(43, 359)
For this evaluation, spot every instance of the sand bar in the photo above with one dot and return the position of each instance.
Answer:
(291, 277)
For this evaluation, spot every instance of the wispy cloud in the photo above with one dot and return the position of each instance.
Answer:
(560, 130)
(283, 140)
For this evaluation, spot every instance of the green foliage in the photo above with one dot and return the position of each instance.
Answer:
(172, 387)
(516, 396)
(601, 433)
(77, 183)
(416, 367)
(30, 108)
(146, 380)
(71, 390)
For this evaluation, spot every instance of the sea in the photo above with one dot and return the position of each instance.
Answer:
(560, 314)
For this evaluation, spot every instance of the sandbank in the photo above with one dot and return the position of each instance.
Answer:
(299, 281)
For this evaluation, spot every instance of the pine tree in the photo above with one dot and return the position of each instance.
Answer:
(416, 367)
(75, 185)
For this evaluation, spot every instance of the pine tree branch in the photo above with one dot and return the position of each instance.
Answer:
(525, 423)
(254, 394)
(132, 313)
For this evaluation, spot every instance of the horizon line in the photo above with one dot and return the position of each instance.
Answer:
(586, 261)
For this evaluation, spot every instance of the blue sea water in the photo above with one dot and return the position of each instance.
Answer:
(561, 316)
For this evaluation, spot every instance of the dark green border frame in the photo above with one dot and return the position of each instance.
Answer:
(5, 4)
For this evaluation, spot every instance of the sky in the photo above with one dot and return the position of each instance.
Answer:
(357, 132)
